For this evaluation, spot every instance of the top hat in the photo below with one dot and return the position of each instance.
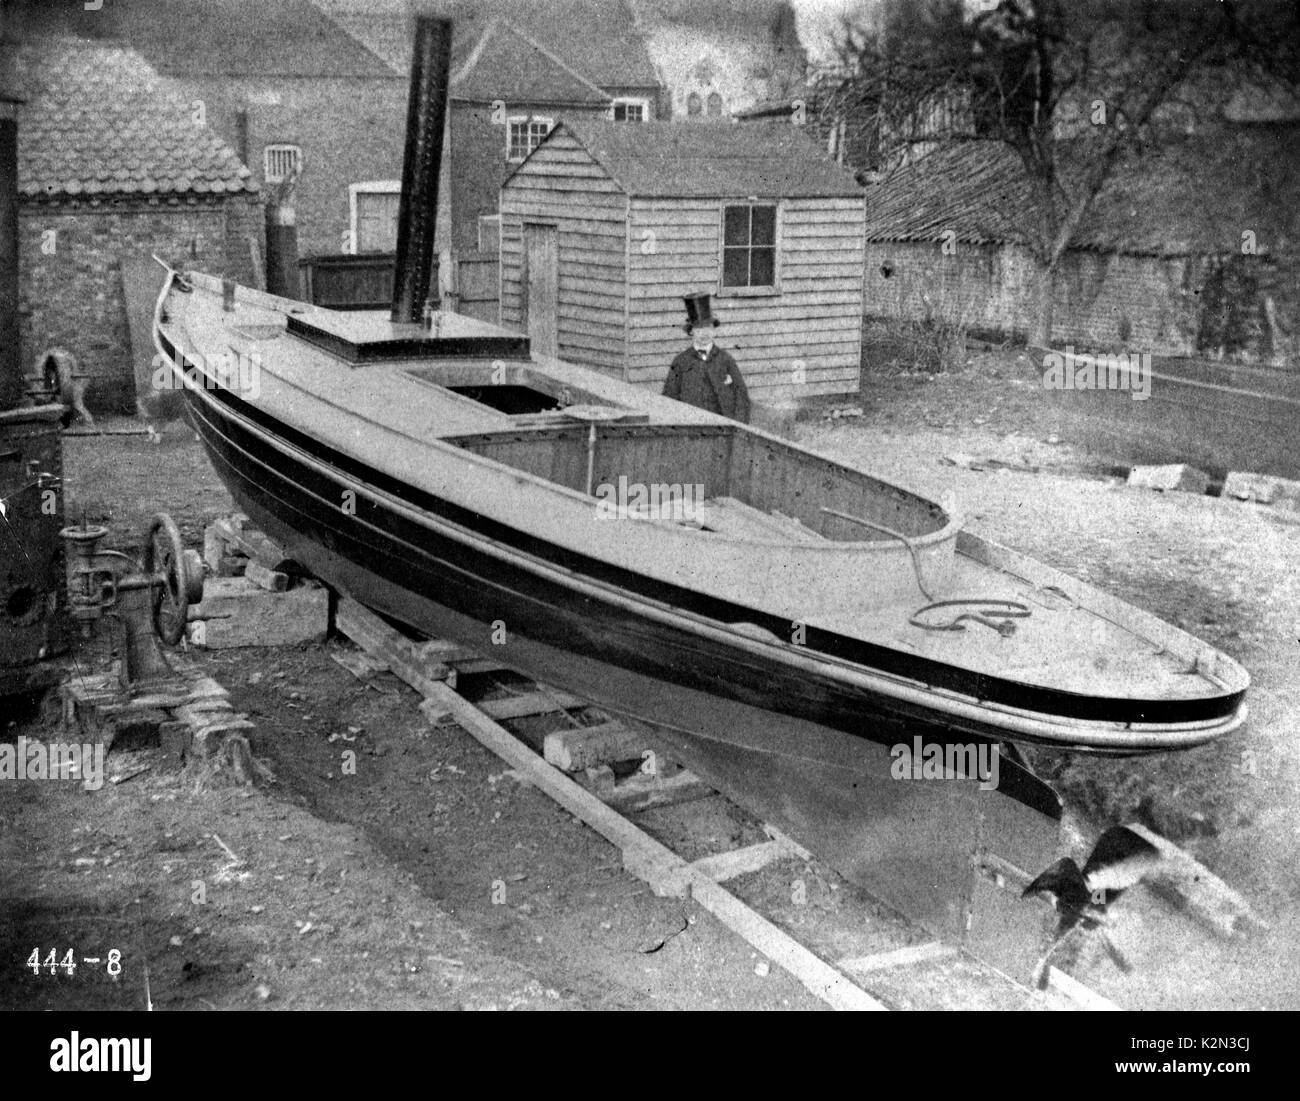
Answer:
(698, 312)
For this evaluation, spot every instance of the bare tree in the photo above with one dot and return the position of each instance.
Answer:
(1073, 87)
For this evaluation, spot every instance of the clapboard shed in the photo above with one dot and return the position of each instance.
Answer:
(606, 225)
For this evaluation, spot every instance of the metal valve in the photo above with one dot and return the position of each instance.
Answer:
(151, 599)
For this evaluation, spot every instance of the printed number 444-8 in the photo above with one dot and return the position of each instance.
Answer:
(69, 963)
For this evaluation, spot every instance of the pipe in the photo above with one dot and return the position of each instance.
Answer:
(417, 215)
(11, 369)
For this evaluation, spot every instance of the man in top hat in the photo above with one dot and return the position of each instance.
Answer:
(704, 375)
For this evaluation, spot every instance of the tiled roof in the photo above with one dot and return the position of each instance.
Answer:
(505, 64)
(245, 38)
(682, 159)
(1194, 196)
(596, 38)
(99, 122)
(975, 189)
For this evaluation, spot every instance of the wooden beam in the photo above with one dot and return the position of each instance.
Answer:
(529, 703)
(367, 630)
(575, 749)
(1073, 991)
(641, 792)
(908, 956)
(1191, 886)
(738, 862)
(643, 856)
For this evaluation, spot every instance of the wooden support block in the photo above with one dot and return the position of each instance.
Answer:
(366, 629)
(738, 862)
(908, 956)
(1172, 476)
(451, 653)
(210, 739)
(214, 549)
(1191, 886)
(530, 703)
(574, 750)
(642, 792)
(272, 581)
(202, 712)
(236, 612)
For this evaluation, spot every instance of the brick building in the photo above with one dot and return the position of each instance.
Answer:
(112, 166)
(514, 78)
(288, 88)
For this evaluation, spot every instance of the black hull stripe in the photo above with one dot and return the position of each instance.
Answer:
(978, 686)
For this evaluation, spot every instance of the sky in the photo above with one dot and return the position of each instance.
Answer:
(819, 20)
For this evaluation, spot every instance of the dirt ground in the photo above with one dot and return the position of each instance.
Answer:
(434, 878)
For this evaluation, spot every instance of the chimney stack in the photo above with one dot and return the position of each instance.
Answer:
(417, 216)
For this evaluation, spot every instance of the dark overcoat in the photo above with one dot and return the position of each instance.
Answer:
(714, 383)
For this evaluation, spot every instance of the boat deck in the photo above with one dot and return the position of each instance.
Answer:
(765, 541)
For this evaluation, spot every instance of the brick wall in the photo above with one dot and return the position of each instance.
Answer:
(1103, 301)
(75, 294)
(350, 130)
(478, 154)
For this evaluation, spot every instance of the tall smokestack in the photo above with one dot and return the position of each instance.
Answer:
(417, 216)
(11, 368)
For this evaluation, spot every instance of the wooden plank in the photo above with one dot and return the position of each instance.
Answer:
(1073, 991)
(640, 792)
(574, 750)
(235, 613)
(815, 974)
(909, 956)
(529, 703)
(366, 629)
(738, 862)
(1191, 886)
(643, 856)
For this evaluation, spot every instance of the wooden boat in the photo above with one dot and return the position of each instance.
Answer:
(786, 621)
(453, 481)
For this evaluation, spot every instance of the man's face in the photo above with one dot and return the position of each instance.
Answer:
(702, 337)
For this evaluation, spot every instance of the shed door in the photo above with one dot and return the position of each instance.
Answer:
(541, 278)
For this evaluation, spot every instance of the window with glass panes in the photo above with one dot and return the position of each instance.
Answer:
(749, 245)
(525, 134)
(629, 110)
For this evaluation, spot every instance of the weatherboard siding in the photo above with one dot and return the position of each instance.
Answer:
(625, 264)
(802, 339)
(562, 185)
